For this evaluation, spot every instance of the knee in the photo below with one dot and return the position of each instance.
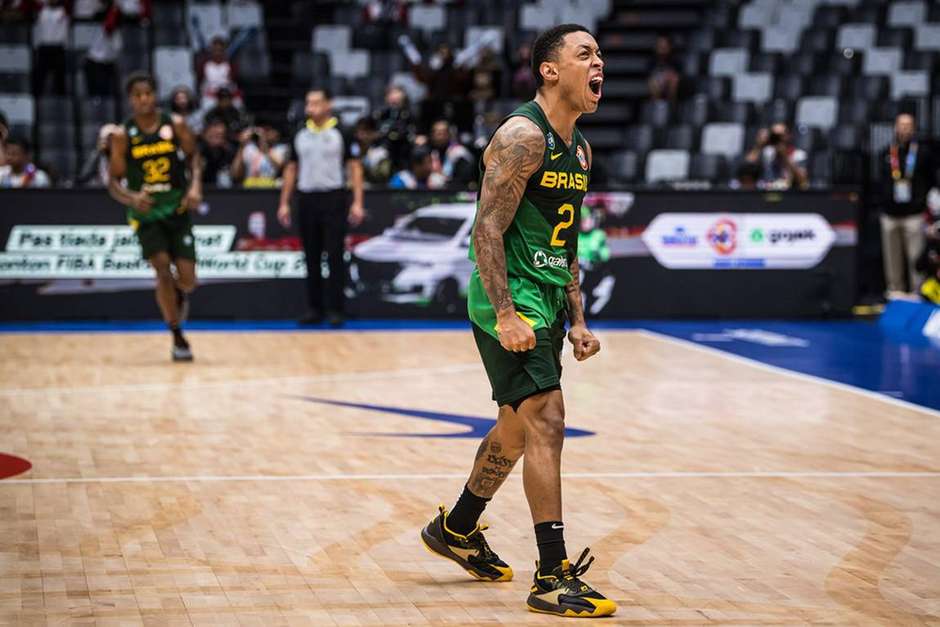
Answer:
(163, 272)
(547, 425)
(186, 283)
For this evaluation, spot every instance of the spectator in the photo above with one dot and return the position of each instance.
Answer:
(217, 71)
(260, 157)
(50, 34)
(746, 176)
(217, 154)
(420, 174)
(396, 125)
(88, 9)
(183, 103)
(907, 172)
(101, 59)
(447, 88)
(318, 155)
(782, 164)
(523, 82)
(95, 171)
(485, 79)
(375, 156)
(15, 10)
(19, 171)
(226, 111)
(664, 76)
(449, 158)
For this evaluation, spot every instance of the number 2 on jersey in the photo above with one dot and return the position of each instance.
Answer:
(561, 226)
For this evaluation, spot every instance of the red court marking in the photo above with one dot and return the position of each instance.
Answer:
(11, 466)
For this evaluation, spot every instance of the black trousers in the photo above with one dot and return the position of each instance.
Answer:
(321, 218)
(100, 78)
(49, 60)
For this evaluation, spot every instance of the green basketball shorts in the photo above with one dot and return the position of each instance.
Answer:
(517, 376)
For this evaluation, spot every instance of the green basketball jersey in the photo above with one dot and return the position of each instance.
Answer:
(155, 164)
(542, 240)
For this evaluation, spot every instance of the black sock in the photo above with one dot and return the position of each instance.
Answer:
(178, 338)
(463, 518)
(550, 537)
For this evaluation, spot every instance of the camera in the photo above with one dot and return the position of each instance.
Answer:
(774, 139)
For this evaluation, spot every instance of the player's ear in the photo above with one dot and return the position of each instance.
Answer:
(549, 71)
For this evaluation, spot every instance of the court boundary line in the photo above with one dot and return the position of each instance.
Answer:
(887, 474)
(202, 385)
(796, 374)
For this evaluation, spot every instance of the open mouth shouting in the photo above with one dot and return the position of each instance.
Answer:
(595, 84)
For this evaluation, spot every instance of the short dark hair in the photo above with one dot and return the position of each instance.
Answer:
(547, 44)
(139, 77)
(19, 140)
(323, 90)
(419, 154)
(366, 123)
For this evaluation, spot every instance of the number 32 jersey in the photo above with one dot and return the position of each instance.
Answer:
(155, 165)
(542, 240)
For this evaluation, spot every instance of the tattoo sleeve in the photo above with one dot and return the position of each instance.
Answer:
(515, 153)
(573, 294)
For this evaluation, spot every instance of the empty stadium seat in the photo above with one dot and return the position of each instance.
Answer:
(681, 137)
(856, 36)
(207, 17)
(657, 113)
(721, 138)
(350, 64)
(728, 62)
(330, 38)
(624, 166)
(639, 138)
(906, 13)
(882, 61)
(780, 39)
(769, 62)
(712, 168)
(428, 18)
(667, 165)
(15, 59)
(244, 14)
(927, 37)
(753, 87)
(913, 83)
(816, 111)
(17, 108)
(174, 66)
(695, 111)
(756, 15)
(845, 137)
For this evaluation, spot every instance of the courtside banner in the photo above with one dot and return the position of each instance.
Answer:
(69, 254)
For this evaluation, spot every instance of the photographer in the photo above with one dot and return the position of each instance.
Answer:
(782, 164)
(260, 157)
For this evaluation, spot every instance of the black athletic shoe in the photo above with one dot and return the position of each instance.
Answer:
(471, 551)
(562, 592)
(181, 350)
(311, 318)
(182, 305)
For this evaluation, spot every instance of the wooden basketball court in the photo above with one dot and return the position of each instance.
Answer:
(229, 491)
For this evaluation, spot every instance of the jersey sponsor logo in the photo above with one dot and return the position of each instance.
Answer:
(541, 259)
(555, 155)
(149, 150)
(582, 158)
(155, 188)
(564, 180)
(474, 427)
(166, 132)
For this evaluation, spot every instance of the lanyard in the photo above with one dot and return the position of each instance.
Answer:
(909, 162)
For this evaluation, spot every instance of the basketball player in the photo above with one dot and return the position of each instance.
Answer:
(156, 151)
(535, 172)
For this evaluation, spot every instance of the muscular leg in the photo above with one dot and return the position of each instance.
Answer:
(185, 275)
(166, 287)
(498, 453)
(543, 418)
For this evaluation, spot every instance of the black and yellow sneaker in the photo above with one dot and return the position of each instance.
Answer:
(470, 551)
(562, 592)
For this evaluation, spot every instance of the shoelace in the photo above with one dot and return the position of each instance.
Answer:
(477, 541)
(574, 572)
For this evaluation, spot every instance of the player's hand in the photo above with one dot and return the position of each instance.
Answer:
(356, 214)
(142, 202)
(283, 215)
(514, 333)
(192, 199)
(584, 343)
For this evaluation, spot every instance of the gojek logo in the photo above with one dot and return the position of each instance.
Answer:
(478, 426)
(542, 259)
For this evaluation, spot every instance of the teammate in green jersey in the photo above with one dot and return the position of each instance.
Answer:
(535, 173)
(153, 151)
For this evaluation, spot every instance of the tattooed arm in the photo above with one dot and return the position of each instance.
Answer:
(514, 154)
(583, 341)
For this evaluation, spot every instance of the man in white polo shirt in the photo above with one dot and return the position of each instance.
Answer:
(320, 163)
